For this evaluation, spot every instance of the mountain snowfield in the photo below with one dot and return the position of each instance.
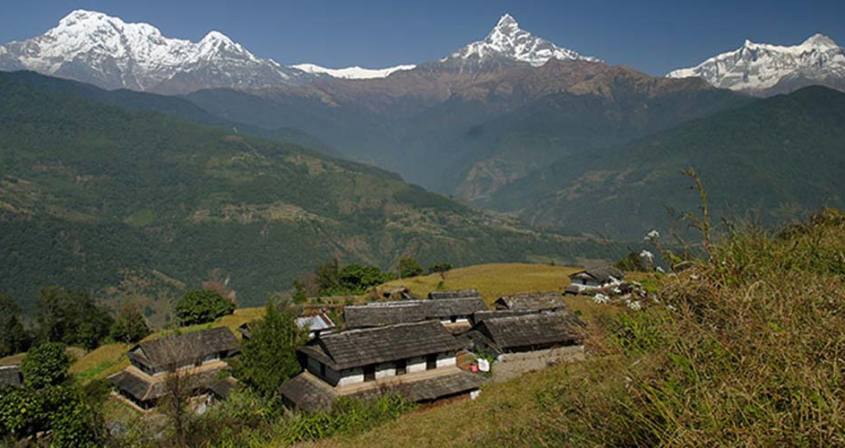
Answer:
(93, 47)
(507, 40)
(762, 67)
(353, 72)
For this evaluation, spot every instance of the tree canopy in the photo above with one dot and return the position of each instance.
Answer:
(268, 357)
(200, 306)
(71, 317)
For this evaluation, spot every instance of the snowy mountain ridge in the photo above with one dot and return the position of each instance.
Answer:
(355, 72)
(507, 40)
(90, 46)
(757, 67)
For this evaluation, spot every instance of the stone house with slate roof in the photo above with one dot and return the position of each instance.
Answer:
(595, 278)
(417, 360)
(456, 294)
(534, 302)
(199, 356)
(526, 333)
(451, 312)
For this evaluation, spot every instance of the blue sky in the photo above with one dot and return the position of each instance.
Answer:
(653, 36)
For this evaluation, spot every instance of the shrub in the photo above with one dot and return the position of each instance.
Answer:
(201, 306)
(409, 267)
(129, 325)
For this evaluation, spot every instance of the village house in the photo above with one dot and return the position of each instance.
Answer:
(198, 357)
(416, 360)
(454, 313)
(455, 294)
(526, 333)
(316, 325)
(594, 278)
(535, 302)
(11, 376)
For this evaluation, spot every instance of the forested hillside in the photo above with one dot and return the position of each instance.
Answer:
(130, 203)
(769, 161)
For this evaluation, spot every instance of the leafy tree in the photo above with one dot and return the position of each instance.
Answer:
(201, 306)
(268, 358)
(409, 267)
(130, 325)
(51, 402)
(439, 268)
(299, 295)
(71, 317)
(634, 262)
(328, 276)
(45, 365)
(357, 279)
(13, 336)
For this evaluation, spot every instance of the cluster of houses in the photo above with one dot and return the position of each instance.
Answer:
(407, 346)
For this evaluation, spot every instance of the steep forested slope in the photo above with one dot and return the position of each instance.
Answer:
(126, 202)
(768, 161)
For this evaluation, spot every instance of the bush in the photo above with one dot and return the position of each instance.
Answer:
(130, 325)
(408, 267)
(46, 365)
(201, 306)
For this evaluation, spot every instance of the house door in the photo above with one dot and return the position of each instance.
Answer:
(430, 362)
(370, 373)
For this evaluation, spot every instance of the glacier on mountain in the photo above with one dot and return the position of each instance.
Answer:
(758, 67)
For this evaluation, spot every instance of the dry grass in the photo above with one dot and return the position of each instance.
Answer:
(493, 280)
(750, 353)
(500, 279)
(109, 359)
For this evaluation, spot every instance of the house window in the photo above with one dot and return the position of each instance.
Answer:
(370, 373)
(322, 370)
(430, 362)
(401, 367)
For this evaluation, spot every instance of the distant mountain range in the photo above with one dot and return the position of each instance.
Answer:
(763, 69)
(512, 122)
(100, 190)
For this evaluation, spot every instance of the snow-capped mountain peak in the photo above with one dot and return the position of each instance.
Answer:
(765, 68)
(508, 40)
(352, 72)
(94, 47)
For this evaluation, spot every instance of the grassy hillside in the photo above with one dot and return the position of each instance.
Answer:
(135, 204)
(744, 350)
(770, 160)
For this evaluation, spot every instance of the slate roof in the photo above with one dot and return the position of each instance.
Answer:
(383, 313)
(144, 389)
(532, 301)
(532, 330)
(183, 349)
(479, 316)
(11, 376)
(361, 347)
(601, 274)
(309, 394)
(377, 314)
(456, 294)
